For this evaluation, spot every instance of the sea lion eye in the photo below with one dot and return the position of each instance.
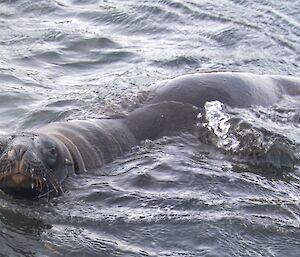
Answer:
(51, 156)
(52, 151)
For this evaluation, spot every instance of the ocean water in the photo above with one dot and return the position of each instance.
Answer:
(176, 196)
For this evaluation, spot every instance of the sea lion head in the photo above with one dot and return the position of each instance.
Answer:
(33, 165)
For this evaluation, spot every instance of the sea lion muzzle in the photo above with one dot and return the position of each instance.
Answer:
(28, 166)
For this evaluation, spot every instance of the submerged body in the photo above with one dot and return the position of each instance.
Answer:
(35, 164)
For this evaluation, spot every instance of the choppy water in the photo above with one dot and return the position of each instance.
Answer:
(173, 197)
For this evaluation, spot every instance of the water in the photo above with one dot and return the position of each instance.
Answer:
(176, 196)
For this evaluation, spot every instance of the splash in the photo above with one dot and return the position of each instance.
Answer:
(217, 121)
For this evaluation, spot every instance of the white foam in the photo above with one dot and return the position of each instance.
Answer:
(218, 122)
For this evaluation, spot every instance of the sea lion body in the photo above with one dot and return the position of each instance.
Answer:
(172, 107)
(234, 89)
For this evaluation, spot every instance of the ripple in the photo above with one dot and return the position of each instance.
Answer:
(228, 37)
(91, 44)
(180, 61)
(31, 8)
(97, 60)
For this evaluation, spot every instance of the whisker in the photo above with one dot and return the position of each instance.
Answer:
(54, 183)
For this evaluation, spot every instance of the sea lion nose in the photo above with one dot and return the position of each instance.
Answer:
(17, 152)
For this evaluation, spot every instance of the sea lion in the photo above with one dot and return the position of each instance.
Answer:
(35, 164)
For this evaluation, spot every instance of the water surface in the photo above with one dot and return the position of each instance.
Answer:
(176, 196)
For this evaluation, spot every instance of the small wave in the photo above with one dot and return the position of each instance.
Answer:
(180, 61)
(91, 44)
(229, 36)
(38, 8)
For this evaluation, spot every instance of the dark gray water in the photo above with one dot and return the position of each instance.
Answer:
(66, 59)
